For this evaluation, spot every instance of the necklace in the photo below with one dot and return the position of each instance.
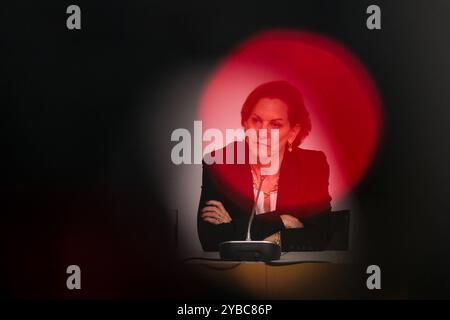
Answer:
(256, 181)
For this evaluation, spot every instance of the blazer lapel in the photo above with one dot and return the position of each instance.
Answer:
(290, 185)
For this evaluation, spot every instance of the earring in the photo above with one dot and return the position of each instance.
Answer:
(289, 146)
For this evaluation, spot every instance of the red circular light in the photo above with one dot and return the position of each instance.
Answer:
(339, 95)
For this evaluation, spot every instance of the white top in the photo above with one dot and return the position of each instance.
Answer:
(260, 202)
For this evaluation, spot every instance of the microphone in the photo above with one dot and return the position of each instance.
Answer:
(249, 250)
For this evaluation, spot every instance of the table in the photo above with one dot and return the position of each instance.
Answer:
(297, 275)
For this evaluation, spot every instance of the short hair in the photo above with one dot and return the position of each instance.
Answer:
(283, 90)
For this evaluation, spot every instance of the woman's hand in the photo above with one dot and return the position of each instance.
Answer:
(215, 213)
(291, 222)
(275, 238)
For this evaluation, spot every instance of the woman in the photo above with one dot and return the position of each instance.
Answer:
(293, 205)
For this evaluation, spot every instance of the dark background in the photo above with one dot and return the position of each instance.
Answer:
(73, 186)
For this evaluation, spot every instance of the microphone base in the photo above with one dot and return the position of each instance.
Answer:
(249, 251)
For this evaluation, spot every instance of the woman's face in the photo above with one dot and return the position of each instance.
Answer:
(269, 114)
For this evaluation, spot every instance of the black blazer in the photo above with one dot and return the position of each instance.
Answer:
(302, 192)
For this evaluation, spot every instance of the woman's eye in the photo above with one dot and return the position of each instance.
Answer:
(276, 125)
(255, 120)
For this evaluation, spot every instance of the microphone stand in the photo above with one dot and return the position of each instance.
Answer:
(254, 209)
(249, 250)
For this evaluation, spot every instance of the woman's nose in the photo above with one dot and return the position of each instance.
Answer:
(263, 133)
